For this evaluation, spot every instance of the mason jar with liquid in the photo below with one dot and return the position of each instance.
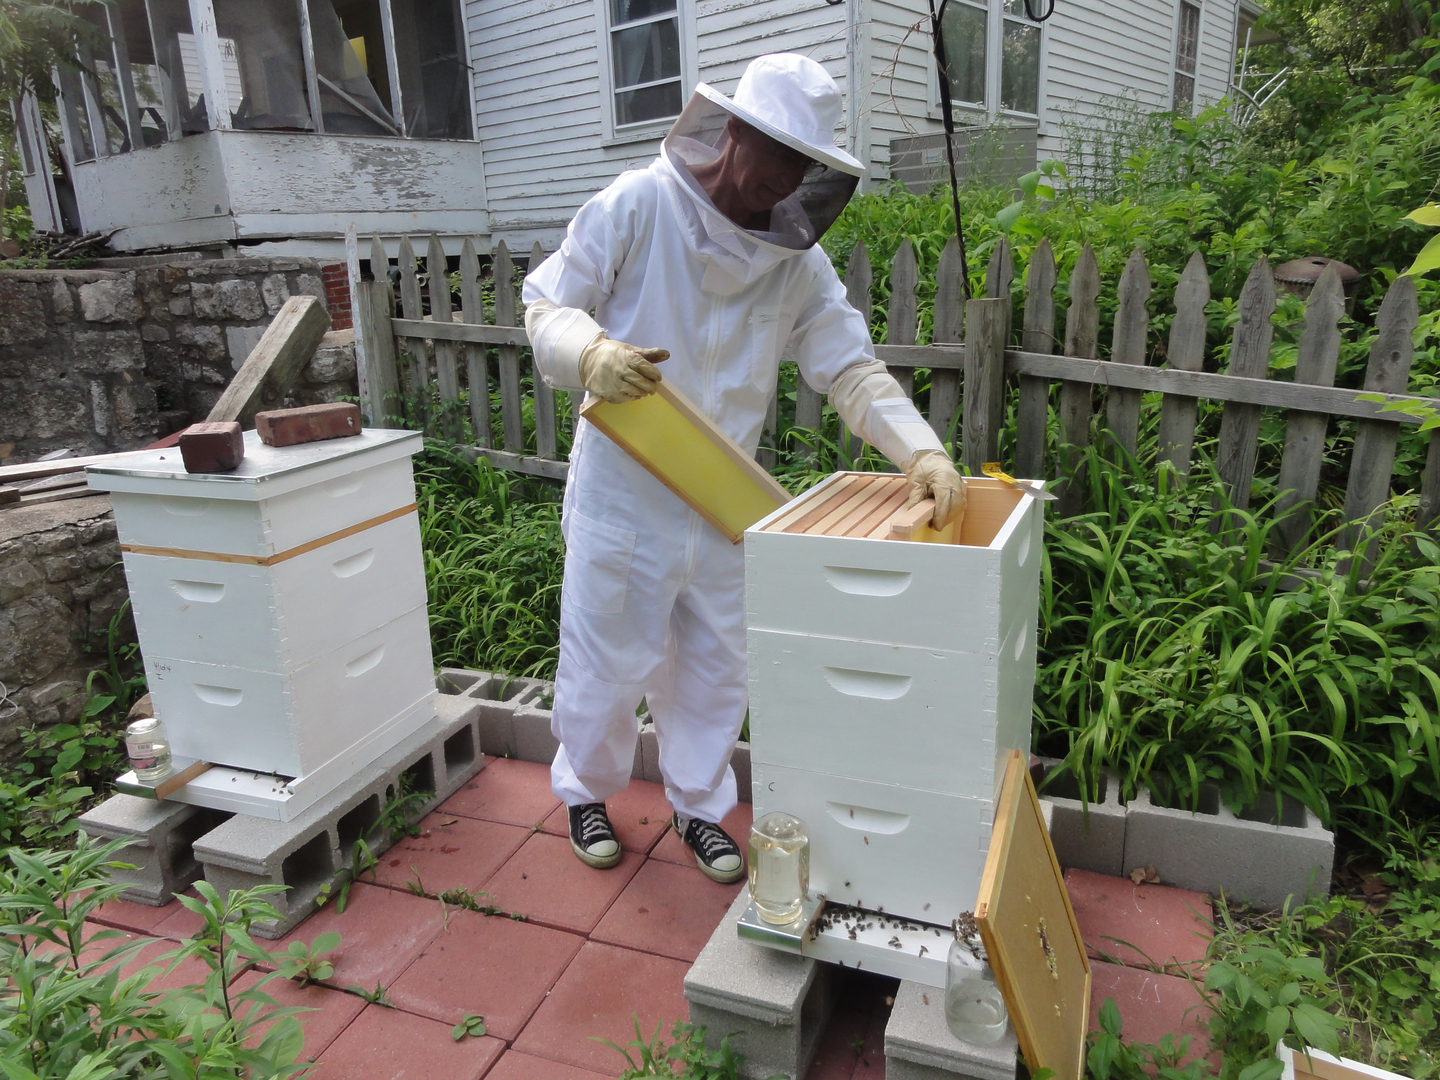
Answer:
(779, 867)
(974, 1007)
(147, 745)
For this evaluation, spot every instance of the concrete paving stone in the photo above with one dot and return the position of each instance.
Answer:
(451, 852)
(1151, 1006)
(639, 814)
(919, 1046)
(486, 965)
(137, 918)
(514, 1065)
(1088, 835)
(182, 924)
(388, 1044)
(841, 1045)
(1144, 926)
(508, 791)
(737, 823)
(333, 1010)
(604, 993)
(169, 975)
(666, 909)
(1211, 850)
(546, 883)
(382, 931)
(776, 1003)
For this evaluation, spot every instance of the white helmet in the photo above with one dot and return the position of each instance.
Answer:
(793, 100)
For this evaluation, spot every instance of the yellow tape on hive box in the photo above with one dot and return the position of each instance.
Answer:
(679, 445)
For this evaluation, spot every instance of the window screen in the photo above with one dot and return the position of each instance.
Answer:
(645, 59)
(1187, 51)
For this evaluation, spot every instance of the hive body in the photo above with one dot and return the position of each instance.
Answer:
(280, 608)
(887, 680)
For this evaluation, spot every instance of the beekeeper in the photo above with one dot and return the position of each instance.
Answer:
(705, 264)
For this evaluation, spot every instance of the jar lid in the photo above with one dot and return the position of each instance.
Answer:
(143, 727)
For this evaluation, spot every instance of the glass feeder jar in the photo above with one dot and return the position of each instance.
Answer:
(974, 1007)
(779, 867)
(148, 747)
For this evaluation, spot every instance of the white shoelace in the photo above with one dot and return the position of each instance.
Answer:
(594, 823)
(713, 840)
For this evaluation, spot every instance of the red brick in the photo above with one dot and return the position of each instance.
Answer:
(546, 883)
(737, 823)
(640, 815)
(460, 855)
(137, 918)
(604, 993)
(1151, 1006)
(308, 423)
(508, 791)
(387, 1044)
(1146, 926)
(212, 447)
(488, 966)
(666, 909)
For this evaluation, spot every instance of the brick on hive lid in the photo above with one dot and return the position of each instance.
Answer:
(212, 446)
(308, 423)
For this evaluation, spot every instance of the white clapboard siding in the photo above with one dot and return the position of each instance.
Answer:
(1216, 62)
(899, 87)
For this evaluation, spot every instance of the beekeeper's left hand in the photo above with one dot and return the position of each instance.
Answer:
(930, 472)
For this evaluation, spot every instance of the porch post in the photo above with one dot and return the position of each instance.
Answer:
(212, 64)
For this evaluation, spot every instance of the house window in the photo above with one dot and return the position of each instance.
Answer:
(352, 67)
(1187, 51)
(645, 54)
(992, 51)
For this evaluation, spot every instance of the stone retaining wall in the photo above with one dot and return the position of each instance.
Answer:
(61, 583)
(103, 360)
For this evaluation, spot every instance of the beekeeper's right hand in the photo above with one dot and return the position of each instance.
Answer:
(619, 372)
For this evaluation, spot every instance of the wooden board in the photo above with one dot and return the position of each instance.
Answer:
(282, 352)
(1030, 932)
(678, 445)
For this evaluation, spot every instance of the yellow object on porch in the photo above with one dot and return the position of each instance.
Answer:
(679, 445)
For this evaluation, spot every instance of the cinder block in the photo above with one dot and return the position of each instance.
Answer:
(1261, 856)
(1087, 835)
(161, 843)
(534, 740)
(317, 848)
(740, 762)
(773, 1004)
(649, 754)
(499, 696)
(919, 1046)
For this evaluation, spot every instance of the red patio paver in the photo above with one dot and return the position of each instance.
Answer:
(511, 792)
(1145, 926)
(137, 918)
(603, 993)
(546, 883)
(459, 855)
(639, 814)
(333, 1010)
(489, 966)
(387, 1044)
(666, 909)
(1151, 1006)
(381, 931)
(737, 823)
(517, 1066)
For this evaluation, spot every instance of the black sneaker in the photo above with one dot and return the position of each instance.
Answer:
(717, 856)
(591, 836)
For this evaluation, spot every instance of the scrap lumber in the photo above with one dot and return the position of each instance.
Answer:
(281, 354)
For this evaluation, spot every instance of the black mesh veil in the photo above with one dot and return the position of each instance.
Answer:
(699, 135)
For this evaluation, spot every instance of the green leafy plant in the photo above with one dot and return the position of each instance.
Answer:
(306, 963)
(1110, 1057)
(378, 996)
(1263, 996)
(472, 1026)
(686, 1057)
(1429, 257)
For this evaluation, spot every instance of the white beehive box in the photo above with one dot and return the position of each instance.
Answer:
(887, 680)
(280, 607)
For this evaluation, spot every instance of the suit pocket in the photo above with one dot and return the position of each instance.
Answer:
(597, 565)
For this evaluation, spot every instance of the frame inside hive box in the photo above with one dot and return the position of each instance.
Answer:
(682, 448)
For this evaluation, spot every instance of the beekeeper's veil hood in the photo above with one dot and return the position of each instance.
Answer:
(794, 101)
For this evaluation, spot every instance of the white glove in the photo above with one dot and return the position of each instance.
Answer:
(619, 372)
(931, 473)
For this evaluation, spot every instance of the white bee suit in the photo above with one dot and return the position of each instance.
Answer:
(653, 599)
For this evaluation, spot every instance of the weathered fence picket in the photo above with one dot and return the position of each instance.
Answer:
(435, 340)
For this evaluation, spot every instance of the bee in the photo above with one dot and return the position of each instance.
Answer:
(923, 951)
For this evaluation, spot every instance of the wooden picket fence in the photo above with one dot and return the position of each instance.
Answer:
(970, 352)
